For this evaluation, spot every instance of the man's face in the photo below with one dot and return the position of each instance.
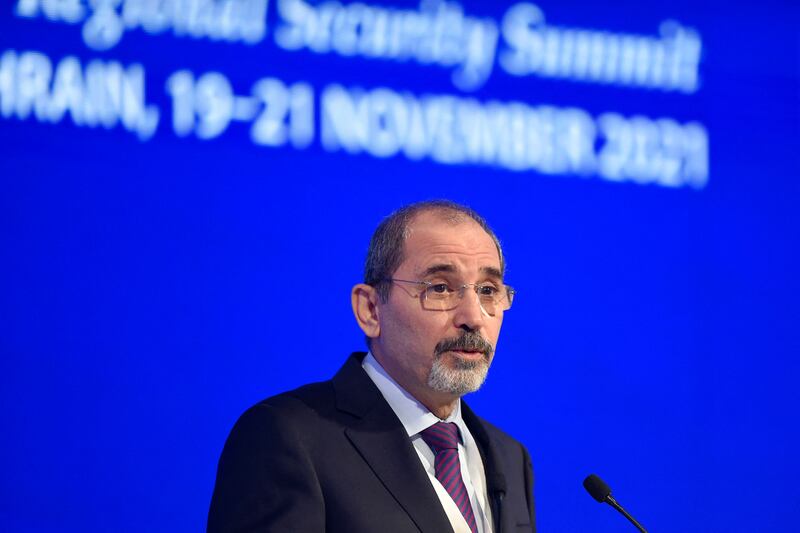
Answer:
(430, 352)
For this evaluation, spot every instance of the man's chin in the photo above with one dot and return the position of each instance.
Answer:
(458, 375)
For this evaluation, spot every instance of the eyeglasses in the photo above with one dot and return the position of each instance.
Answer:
(442, 296)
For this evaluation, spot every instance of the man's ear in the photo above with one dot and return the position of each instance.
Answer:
(364, 299)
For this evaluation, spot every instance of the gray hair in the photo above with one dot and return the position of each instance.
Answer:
(387, 246)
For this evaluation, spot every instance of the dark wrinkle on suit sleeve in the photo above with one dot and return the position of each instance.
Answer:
(265, 479)
(529, 486)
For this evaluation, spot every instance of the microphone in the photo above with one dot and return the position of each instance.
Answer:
(598, 489)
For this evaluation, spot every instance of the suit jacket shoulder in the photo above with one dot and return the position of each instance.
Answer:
(332, 456)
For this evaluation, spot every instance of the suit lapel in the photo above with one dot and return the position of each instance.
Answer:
(381, 440)
(495, 478)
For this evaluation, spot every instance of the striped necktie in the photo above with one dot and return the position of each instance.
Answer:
(443, 438)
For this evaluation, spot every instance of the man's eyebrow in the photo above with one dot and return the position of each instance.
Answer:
(436, 269)
(492, 271)
(449, 269)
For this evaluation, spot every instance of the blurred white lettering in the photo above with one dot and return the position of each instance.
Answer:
(668, 62)
(438, 33)
(514, 136)
(102, 93)
(106, 21)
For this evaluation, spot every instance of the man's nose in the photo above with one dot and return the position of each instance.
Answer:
(469, 312)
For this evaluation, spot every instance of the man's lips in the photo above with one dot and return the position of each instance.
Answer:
(468, 354)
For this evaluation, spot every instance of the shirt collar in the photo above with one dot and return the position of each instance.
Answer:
(414, 416)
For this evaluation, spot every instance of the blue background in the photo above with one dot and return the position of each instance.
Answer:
(653, 341)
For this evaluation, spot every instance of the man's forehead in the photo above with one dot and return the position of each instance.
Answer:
(436, 229)
(434, 245)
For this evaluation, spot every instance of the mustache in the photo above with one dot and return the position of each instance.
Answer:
(469, 341)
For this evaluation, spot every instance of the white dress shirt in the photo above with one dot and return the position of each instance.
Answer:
(415, 418)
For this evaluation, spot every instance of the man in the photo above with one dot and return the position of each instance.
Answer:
(387, 445)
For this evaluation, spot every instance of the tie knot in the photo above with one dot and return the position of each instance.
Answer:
(441, 436)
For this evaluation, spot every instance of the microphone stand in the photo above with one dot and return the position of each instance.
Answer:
(613, 503)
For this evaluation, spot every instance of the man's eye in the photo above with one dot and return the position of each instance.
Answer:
(439, 288)
(487, 290)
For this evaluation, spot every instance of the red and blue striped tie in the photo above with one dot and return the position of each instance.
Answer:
(443, 438)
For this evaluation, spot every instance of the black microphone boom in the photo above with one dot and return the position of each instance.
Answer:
(600, 492)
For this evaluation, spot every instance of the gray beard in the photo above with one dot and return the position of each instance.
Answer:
(461, 378)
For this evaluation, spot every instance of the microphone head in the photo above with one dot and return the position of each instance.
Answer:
(597, 488)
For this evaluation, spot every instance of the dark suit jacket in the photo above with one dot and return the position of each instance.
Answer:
(333, 456)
